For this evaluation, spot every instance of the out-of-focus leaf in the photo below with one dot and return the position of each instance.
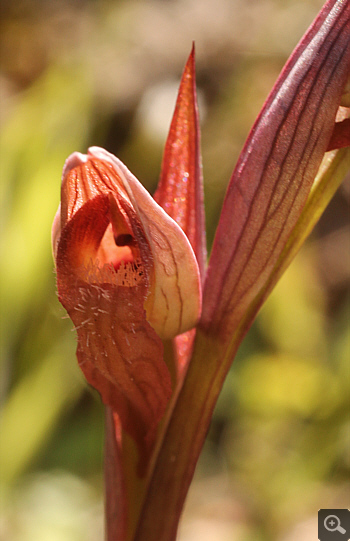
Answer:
(274, 385)
(293, 317)
(32, 409)
(48, 121)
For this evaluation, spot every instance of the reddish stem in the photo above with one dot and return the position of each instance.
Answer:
(115, 503)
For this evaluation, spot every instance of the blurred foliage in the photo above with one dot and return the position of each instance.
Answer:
(105, 72)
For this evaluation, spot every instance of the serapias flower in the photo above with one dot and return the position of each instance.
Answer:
(128, 278)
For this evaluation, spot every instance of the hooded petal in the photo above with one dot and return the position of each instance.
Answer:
(124, 271)
(174, 301)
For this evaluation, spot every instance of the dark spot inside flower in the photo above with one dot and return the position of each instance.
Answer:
(124, 240)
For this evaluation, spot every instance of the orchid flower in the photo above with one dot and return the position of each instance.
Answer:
(157, 332)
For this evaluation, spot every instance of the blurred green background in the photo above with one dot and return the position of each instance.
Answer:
(103, 72)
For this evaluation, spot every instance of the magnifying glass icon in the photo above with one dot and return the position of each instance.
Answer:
(332, 524)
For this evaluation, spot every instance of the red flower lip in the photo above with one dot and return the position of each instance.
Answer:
(128, 277)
